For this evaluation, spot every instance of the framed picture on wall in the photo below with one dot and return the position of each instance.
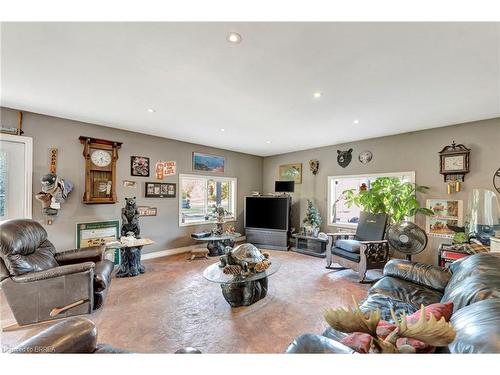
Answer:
(291, 172)
(448, 217)
(139, 166)
(160, 190)
(98, 233)
(208, 163)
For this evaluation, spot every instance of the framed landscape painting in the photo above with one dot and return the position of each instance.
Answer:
(291, 172)
(208, 163)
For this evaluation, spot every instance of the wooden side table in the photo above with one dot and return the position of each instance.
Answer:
(130, 256)
(310, 245)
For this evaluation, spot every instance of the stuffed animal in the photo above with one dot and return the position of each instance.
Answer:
(55, 191)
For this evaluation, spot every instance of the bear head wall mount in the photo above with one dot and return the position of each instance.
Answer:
(344, 157)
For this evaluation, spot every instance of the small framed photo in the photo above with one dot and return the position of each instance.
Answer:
(139, 166)
(160, 190)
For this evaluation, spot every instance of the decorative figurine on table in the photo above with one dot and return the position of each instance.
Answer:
(244, 260)
(220, 217)
(241, 263)
(130, 264)
(55, 191)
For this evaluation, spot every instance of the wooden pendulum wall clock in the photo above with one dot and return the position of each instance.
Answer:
(100, 170)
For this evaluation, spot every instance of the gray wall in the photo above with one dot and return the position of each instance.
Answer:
(417, 151)
(50, 132)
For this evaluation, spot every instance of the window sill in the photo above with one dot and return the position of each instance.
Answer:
(231, 220)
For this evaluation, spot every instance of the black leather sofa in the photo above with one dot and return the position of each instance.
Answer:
(41, 284)
(72, 335)
(472, 284)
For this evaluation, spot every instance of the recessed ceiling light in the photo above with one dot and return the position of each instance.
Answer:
(233, 37)
(151, 110)
(356, 121)
(268, 142)
(317, 95)
(222, 130)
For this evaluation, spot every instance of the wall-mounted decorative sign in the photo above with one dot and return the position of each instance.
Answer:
(53, 160)
(365, 157)
(291, 172)
(314, 166)
(160, 190)
(129, 184)
(147, 211)
(164, 169)
(447, 219)
(139, 166)
(13, 130)
(169, 168)
(344, 157)
(208, 163)
(98, 233)
(159, 170)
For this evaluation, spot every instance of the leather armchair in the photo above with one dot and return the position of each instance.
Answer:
(41, 284)
(361, 251)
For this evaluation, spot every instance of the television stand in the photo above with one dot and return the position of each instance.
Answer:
(268, 238)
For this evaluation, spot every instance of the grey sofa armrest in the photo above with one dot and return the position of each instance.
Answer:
(316, 344)
(87, 254)
(423, 274)
(72, 335)
(53, 272)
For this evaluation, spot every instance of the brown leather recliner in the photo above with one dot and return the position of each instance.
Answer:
(41, 284)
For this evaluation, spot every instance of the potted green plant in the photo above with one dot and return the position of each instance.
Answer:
(313, 219)
(391, 196)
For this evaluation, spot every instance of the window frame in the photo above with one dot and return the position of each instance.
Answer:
(331, 179)
(233, 199)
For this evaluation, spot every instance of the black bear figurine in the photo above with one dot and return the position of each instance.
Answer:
(130, 218)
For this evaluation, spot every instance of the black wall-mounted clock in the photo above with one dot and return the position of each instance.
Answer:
(496, 180)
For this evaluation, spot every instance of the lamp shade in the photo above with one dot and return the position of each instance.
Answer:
(483, 208)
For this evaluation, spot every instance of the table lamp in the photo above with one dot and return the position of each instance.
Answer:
(483, 215)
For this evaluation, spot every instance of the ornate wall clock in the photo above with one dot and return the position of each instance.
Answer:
(496, 180)
(100, 170)
(454, 162)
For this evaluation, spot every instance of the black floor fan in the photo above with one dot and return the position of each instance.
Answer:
(407, 238)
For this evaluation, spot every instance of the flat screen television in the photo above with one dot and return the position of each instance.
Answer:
(284, 186)
(267, 212)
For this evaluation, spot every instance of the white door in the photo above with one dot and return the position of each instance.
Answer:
(15, 176)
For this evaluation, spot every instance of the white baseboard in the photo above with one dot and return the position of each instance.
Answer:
(179, 250)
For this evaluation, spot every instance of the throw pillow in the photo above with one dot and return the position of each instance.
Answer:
(360, 342)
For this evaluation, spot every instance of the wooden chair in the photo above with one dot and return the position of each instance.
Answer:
(361, 251)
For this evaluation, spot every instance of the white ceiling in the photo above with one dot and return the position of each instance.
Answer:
(393, 77)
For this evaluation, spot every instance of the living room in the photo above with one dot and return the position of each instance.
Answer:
(239, 188)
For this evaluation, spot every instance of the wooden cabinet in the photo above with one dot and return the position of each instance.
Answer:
(100, 170)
